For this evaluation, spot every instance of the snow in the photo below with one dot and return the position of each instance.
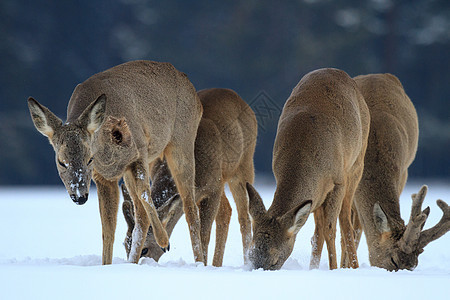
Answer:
(51, 249)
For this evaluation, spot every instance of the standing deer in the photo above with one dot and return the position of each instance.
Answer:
(318, 161)
(391, 149)
(224, 148)
(118, 122)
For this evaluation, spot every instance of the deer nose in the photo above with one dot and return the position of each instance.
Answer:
(79, 200)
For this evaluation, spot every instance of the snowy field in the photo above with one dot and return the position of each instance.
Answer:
(51, 249)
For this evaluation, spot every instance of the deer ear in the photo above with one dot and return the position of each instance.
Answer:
(380, 219)
(44, 120)
(255, 204)
(93, 116)
(296, 217)
(119, 131)
(169, 209)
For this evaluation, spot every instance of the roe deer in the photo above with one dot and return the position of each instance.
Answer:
(224, 148)
(118, 122)
(391, 149)
(318, 161)
(168, 206)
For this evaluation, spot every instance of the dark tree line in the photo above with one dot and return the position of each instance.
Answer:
(260, 49)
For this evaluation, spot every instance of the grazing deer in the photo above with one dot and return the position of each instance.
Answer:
(168, 206)
(391, 149)
(317, 162)
(118, 122)
(224, 148)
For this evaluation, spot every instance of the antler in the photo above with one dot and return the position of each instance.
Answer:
(410, 239)
(438, 230)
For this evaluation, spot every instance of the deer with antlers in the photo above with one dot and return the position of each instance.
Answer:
(318, 161)
(224, 148)
(118, 123)
(392, 146)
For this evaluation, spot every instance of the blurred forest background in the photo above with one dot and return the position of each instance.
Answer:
(260, 49)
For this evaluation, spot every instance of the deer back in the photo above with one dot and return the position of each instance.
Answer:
(394, 127)
(320, 136)
(226, 134)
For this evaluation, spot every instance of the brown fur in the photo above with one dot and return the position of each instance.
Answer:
(151, 110)
(392, 146)
(224, 150)
(317, 163)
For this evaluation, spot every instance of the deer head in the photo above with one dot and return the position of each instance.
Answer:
(273, 237)
(400, 250)
(169, 213)
(72, 144)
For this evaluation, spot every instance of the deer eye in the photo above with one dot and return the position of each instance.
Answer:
(62, 164)
(395, 264)
(274, 263)
(144, 251)
(90, 161)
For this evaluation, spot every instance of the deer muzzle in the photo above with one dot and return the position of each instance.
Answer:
(77, 184)
(79, 199)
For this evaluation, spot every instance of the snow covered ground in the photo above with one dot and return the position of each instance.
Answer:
(51, 248)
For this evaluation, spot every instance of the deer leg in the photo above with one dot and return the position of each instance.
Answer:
(139, 231)
(331, 208)
(108, 199)
(330, 238)
(240, 197)
(208, 208)
(222, 224)
(349, 258)
(345, 262)
(357, 232)
(357, 226)
(345, 222)
(181, 163)
(317, 240)
(137, 182)
(128, 213)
